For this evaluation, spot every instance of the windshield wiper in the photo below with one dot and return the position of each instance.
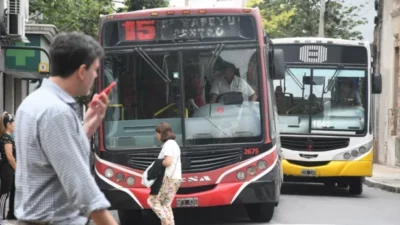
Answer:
(213, 59)
(215, 55)
(330, 84)
(294, 78)
(153, 65)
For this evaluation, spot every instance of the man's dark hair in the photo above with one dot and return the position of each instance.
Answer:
(69, 51)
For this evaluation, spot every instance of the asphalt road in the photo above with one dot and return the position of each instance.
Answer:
(305, 204)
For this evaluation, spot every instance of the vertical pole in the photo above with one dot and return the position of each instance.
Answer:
(321, 19)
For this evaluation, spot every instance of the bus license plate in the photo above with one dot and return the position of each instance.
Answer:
(187, 202)
(309, 172)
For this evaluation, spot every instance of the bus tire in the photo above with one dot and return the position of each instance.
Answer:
(356, 186)
(129, 217)
(278, 192)
(261, 212)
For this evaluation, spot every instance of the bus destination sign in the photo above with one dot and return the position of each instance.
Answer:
(324, 54)
(186, 28)
(203, 27)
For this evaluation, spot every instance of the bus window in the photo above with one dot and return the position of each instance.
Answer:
(143, 98)
(223, 121)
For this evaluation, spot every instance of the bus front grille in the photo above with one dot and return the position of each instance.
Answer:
(193, 160)
(314, 144)
(309, 164)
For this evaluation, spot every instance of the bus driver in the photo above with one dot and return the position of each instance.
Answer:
(228, 82)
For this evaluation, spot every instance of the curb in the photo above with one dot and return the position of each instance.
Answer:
(386, 187)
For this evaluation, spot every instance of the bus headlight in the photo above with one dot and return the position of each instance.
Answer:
(346, 155)
(362, 150)
(109, 172)
(119, 177)
(354, 153)
(251, 170)
(130, 181)
(262, 165)
(240, 175)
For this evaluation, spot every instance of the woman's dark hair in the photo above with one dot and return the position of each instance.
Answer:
(5, 119)
(164, 129)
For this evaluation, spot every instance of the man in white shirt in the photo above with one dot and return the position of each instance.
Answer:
(228, 82)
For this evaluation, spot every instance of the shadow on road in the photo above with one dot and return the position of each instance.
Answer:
(204, 216)
(237, 214)
(311, 189)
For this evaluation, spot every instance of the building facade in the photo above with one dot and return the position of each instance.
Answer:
(21, 68)
(387, 62)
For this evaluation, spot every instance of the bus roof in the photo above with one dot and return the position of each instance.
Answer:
(320, 40)
(179, 11)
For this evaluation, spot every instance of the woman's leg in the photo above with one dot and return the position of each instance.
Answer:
(3, 204)
(10, 215)
(5, 187)
(169, 192)
(158, 209)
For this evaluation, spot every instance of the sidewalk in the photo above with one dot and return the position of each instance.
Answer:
(385, 178)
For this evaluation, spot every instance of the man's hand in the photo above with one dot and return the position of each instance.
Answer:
(95, 113)
(103, 217)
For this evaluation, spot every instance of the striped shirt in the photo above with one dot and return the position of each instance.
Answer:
(53, 179)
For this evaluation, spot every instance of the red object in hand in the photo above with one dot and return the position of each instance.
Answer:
(107, 90)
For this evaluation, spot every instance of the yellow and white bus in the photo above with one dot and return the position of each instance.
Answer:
(325, 107)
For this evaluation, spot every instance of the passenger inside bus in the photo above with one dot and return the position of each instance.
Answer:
(230, 81)
(348, 94)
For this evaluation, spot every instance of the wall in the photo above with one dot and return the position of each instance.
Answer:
(387, 100)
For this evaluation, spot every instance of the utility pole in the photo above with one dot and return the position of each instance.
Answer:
(322, 19)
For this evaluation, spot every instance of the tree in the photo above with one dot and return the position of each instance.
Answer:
(134, 5)
(300, 18)
(68, 15)
(274, 18)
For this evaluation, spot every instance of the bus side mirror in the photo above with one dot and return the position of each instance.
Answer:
(278, 65)
(376, 83)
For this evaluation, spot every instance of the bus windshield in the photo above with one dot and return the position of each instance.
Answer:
(174, 87)
(318, 100)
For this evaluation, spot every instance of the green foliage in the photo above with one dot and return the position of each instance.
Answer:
(275, 17)
(134, 5)
(70, 15)
(300, 18)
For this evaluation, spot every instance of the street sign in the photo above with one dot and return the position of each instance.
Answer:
(27, 60)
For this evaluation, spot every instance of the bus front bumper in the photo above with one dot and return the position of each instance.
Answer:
(357, 168)
(262, 190)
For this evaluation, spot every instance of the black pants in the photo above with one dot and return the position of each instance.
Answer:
(7, 188)
(10, 214)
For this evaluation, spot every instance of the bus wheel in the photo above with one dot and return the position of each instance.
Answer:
(356, 186)
(129, 217)
(261, 212)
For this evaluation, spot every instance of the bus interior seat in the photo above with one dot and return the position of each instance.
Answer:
(280, 100)
(289, 99)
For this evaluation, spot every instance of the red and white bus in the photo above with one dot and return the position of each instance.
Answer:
(165, 61)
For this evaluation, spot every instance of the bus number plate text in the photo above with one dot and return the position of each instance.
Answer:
(187, 202)
(309, 172)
